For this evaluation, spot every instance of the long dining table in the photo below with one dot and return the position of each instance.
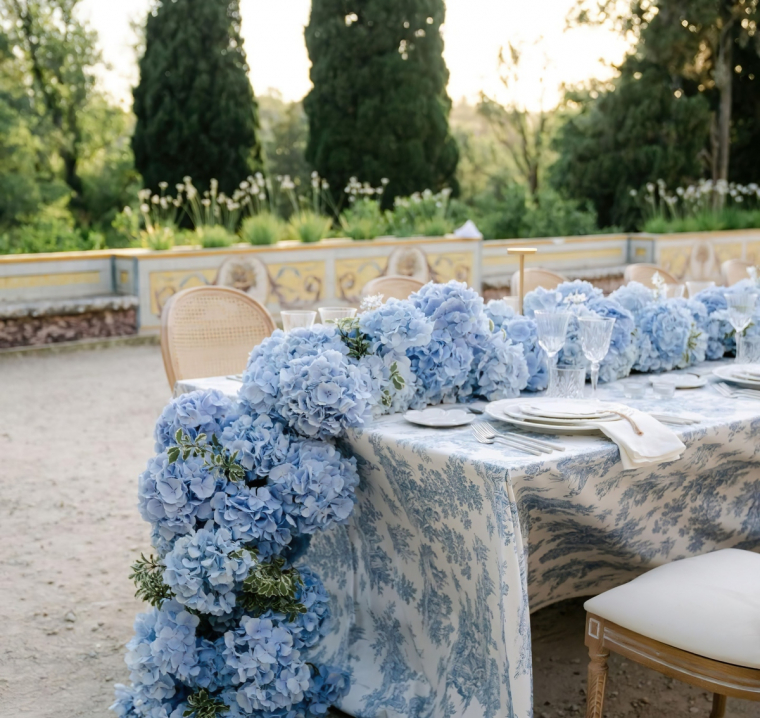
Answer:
(454, 543)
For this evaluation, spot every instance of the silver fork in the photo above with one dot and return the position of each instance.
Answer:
(484, 437)
(723, 388)
(528, 441)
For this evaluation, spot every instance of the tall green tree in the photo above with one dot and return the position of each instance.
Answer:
(619, 138)
(57, 54)
(699, 44)
(195, 107)
(379, 107)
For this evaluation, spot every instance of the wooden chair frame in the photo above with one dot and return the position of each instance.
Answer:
(167, 319)
(734, 270)
(722, 679)
(633, 273)
(535, 277)
(395, 286)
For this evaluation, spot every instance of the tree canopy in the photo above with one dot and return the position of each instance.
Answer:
(195, 107)
(379, 108)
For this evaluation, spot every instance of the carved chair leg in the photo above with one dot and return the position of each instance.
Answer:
(719, 706)
(597, 680)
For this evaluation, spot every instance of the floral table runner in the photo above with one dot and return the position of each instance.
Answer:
(453, 543)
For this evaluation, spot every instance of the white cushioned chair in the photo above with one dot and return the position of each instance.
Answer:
(697, 620)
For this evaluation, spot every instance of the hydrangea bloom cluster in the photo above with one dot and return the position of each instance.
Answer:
(582, 299)
(442, 367)
(498, 369)
(522, 330)
(670, 333)
(233, 622)
(665, 329)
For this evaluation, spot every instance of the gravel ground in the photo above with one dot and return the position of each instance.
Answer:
(75, 432)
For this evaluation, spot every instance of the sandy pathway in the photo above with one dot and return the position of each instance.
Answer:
(75, 433)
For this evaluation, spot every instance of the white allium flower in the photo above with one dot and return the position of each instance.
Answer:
(384, 181)
(187, 179)
(206, 202)
(145, 208)
(155, 199)
(163, 185)
(372, 302)
(633, 193)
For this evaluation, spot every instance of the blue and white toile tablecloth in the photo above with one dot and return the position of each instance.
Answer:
(453, 543)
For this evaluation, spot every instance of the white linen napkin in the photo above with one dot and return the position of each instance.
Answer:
(657, 445)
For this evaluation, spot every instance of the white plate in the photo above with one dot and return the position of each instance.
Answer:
(681, 381)
(732, 373)
(572, 409)
(507, 410)
(440, 418)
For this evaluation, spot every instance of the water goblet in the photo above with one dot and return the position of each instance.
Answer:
(333, 314)
(596, 333)
(695, 287)
(297, 319)
(674, 291)
(552, 330)
(741, 308)
(570, 382)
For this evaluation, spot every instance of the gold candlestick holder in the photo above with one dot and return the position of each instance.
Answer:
(521, 251)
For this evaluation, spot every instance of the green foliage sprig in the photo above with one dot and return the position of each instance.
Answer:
(398, 382)
(203, 705)
(353, 337)
(215, 457)
(268, 586)
(147, 573)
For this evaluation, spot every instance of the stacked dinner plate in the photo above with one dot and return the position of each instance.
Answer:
(554, 416)
(742, 374)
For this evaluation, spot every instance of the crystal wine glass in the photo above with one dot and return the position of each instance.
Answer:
(297, 319)
(334, 314)
(741, 308)
(596, 333)
(552, 330)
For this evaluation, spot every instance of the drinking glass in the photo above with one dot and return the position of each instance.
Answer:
(596, 333)
(570, 383)
(741, 308)
(552, 330)
(297, 319)
(674, 291)
(697, 287)
(333, 314)
(750, 351)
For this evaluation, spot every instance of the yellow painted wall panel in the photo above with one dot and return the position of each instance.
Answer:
(294, 284)
(352, 274)
(451, 265)
(23, 281)
(165, 284)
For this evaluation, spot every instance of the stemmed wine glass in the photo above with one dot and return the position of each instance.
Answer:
(741, 308)
(596, 333)
(552, 329)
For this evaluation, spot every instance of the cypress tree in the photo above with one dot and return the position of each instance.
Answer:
(379, 106)
(195, 107)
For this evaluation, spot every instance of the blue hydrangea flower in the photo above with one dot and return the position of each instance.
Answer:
(717, 327)
(309, 627)
(173, 497)
(634, 297)
(260, 392)
(204, 569)
(540, 299)
(316, 486)
(213, 671)
(498, 370)
(499, 312)
(523, 331)
(324, 395)
(199, 412)
(252, 514)
(135, 702)
(578, 287)
(698, 341)
(328, 686)
(396, 326)
(455, 310)
(268, 667)
(441, 368)
(664, 330)
(259, 442)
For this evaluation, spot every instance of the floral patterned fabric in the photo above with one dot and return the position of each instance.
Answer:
(453, 544)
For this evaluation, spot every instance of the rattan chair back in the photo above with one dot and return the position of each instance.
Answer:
(643, 273)
(393, 286)
(210, 331)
